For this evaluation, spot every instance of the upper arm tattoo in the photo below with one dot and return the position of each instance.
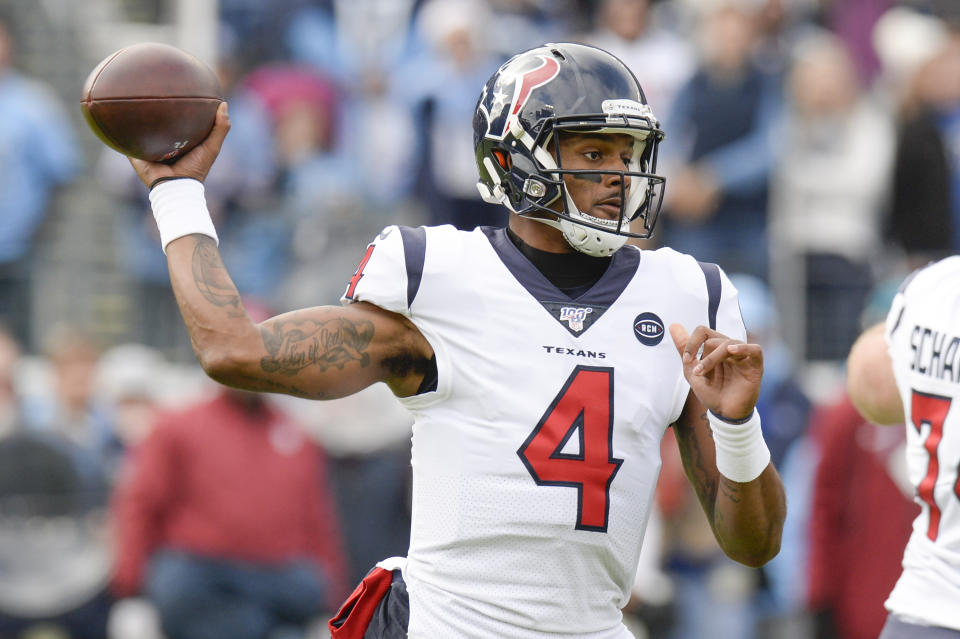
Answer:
(295, 344)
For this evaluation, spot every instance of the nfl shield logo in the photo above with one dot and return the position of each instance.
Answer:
(574, 316)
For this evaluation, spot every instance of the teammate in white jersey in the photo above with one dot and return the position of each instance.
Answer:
(533, 357)
(908, 371)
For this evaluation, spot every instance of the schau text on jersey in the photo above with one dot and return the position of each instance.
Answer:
(935, 353)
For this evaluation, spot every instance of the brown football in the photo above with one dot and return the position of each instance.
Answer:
(151, 101)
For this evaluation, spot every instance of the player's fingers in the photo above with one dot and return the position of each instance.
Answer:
(709, 361)
(740, 350)
(679, 335)
(732, 351)
(690, 346)
(196, 164)
(148, 172)
(695, 342)
(704, 341)
(715, 351)
(747, 356)
(221, 126)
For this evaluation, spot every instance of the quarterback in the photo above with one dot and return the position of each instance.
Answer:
(542, 362)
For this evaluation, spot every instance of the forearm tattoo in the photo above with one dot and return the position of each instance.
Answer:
(730, 489)
(295, 345)
(211, 277)
(695, 465)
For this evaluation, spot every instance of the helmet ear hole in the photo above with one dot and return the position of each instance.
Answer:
(502, 159)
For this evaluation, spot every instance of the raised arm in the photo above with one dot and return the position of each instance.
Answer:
(320, 353)
(746, 511)
(871, 384)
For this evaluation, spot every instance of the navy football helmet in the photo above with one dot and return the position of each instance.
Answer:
(541, 93)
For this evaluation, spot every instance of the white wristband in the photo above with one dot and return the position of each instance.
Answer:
(741, 452)
(180, 208)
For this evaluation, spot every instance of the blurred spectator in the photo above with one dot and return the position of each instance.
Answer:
(661, 59)
(516, 25)
(360, 174)
(53, 496)
(373, 497)
(853, 22)
(260, 26)
(925, 215)
(370, 469)
(53, 540)
(325, 190)
(904, 39)
(303, 108)
(861, 518)
(359, 48)
(10, 402)
(130, 379)
(37, 154)
(349, 37)
(71, 411)
(782, 402)
(722, 120)
(225, 522)
(783, 23)
(828, 198)
(440, 87)
(785, 409)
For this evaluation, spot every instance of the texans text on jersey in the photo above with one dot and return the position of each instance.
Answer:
(576, 352)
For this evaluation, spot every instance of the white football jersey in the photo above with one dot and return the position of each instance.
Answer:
(536, 457)
(923, 332)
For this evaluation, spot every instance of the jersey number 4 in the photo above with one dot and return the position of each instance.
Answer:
(931, 410)
(584, 409)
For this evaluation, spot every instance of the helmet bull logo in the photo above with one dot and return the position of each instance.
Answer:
(524, 81)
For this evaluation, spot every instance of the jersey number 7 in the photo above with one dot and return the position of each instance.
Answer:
(931, 410)
(583, 408)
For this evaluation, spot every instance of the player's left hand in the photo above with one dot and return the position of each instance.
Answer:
(726, 376)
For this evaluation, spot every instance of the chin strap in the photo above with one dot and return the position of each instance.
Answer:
(593, 242)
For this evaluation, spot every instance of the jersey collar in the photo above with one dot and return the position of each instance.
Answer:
(575, 314)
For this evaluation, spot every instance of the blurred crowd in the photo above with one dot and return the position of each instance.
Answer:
(812, 150)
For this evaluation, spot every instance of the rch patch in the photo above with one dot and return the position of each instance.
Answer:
(648, 328)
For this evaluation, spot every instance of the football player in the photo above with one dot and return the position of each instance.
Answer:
(907, 370)
(534, 359)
